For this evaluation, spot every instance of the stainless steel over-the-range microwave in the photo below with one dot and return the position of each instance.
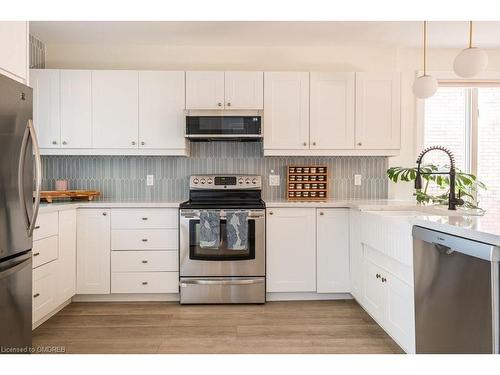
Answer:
(240, 128)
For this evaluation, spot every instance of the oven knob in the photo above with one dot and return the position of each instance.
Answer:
(195, 181)
(254, 181)
(240, 181)
(202, 181)
(247, 181)
(209, 181)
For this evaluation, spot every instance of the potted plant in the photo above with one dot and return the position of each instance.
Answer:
(466, 187)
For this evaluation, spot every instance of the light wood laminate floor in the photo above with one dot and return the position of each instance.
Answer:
(165, 327)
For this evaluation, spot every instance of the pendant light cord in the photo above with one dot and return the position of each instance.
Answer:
(425, 47)
(470, 34)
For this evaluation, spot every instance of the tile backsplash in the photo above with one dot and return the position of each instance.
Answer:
(124, 177)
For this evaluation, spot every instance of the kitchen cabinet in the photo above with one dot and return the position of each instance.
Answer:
(244, 90)
(46, 106)
(161, 110)
(93, 251)
(14, 57)
(115, 113)
(332, 253)
(332, 111)
(66, 262)
(291, 250)
(44, 287)
(76, 109)
(378, 111)
(205, 90)
(224, 90)
(355, 255)
(286, 115)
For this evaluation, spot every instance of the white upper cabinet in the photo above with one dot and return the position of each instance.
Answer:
(332, 111)
(205, 90)
(161, 110)
(291, 250)
(244, 90)
(46, 106)
(76, 109)
(378, 111)
(286, 114)
(14, 58)
(332, 255)
(93, 252)
(115, 114)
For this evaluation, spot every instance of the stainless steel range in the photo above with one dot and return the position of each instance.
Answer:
(222, 240)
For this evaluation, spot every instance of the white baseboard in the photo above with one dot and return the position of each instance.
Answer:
(306, 296)
(50, 314)
(157, 297)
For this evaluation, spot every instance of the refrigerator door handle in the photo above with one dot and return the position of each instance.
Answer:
(30, 131)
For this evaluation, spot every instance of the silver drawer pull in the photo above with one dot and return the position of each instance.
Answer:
(144, 283)
(223, 282)
(36, 254)
(377, 276)
(36, 295)
(144, 240)
(144, 218)
(144, 261)
(37, 227)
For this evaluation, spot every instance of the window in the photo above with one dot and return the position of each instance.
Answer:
(467, 121)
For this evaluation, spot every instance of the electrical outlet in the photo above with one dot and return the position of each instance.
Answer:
(357, 180)
(274, 180)
(150, 180)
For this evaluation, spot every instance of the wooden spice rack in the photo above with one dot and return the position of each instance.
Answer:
(307, 183)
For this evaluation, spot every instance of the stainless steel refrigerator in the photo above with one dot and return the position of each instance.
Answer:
(20, 177)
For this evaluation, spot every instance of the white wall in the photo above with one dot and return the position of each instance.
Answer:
(340, 58)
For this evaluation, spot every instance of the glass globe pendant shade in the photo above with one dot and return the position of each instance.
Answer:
(470, 62)
(425, 86)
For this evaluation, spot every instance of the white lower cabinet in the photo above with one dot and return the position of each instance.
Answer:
(332, 250)
(66, 262)
(93, 251)
(291, 250)
(44, 286)
(355, 255)
(145, 282)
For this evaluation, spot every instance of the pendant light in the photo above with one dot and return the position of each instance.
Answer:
(471, 61)
(426, 85)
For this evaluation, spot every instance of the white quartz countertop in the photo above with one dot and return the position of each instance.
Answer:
(60, 206)
(374, 204)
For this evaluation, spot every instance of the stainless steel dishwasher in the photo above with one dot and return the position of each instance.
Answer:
(456, 294)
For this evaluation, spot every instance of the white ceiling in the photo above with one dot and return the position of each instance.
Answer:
(441, 34)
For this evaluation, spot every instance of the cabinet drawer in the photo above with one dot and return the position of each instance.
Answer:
(46, 225)
(153, 218)
(145, 282)
(144, 261)
(148, 239)
(45, 251)
(44, 295)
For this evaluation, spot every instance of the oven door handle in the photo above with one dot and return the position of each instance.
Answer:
(223, 282)
(196, 214)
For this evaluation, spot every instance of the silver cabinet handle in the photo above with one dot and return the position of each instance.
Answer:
(384, 279)
(144, 218)
(54, 142)
(360, 144)
(144, 261)
(223, 282)
(229, 104)
(304, 144)
(271, 213)
(36, 254)
(36, 295)
(65, 143)
(144, 240)
(314, 143)
(37, 227)
(321, 213)
(104, 214)
(144, 283)
(133, 143)
(219, 104)
(377, 276)
(143, 143)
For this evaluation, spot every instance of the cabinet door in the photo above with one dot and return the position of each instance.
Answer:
(286, 118)
(161, 110)
(14, 52)
(332, 111)
(115, 115)
(244, 90)
(355, 255)
(204, 90)
(378, 118)
(76, 109)
(374, 290)
(66, 261)
(291, 250)
(399, 315)
(46, 106)
(44, 290)
(332, 253)
(93, 252)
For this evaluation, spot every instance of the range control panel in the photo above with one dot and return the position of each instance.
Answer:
(235, 182)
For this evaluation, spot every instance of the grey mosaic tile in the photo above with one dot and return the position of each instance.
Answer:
(124, 177)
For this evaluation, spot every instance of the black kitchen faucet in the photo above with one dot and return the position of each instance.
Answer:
(453, 201)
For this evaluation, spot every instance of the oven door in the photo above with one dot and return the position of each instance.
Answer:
(200, 261)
